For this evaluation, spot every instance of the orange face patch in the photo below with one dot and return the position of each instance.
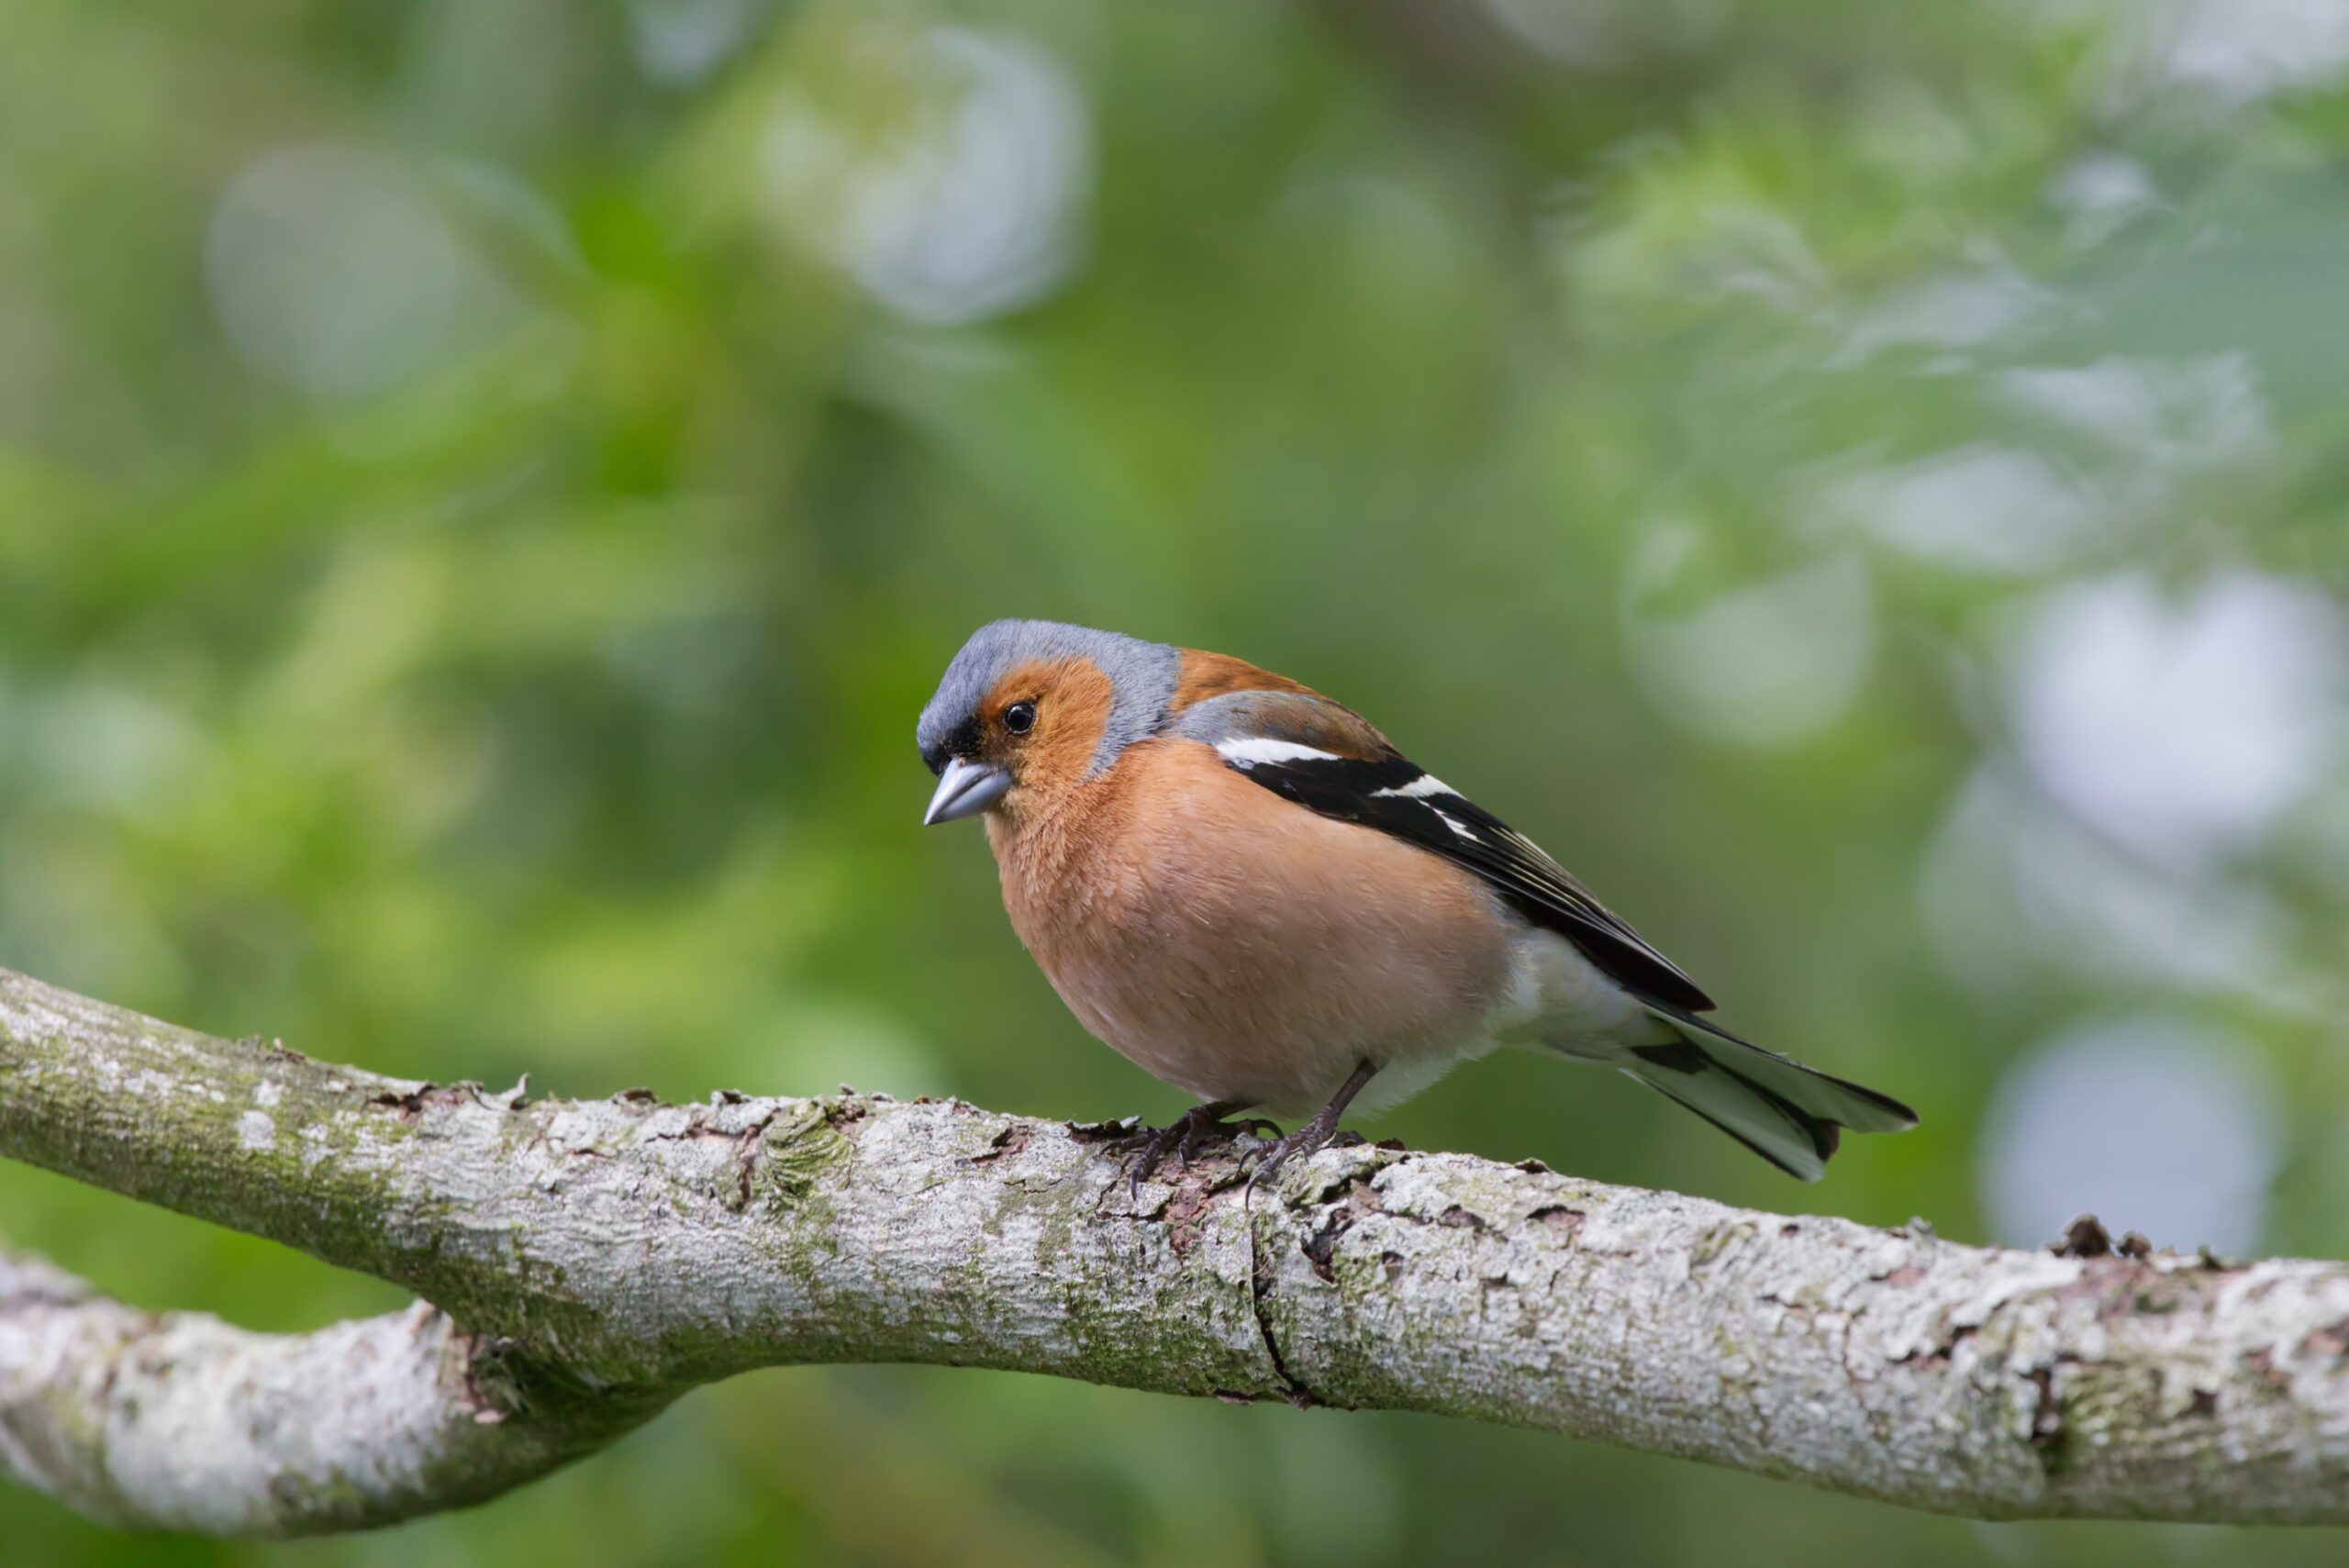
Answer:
(1072, 698)
(1203, 675)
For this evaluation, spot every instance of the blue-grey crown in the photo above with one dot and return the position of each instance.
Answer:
(1142, 678)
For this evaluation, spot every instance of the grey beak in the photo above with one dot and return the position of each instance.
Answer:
(965, 789)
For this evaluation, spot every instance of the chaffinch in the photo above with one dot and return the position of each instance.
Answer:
(1245, 890)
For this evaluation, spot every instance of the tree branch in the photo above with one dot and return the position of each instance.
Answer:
(181, 1422)
(604, 1257)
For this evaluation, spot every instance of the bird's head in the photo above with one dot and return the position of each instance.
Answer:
(1029, 707)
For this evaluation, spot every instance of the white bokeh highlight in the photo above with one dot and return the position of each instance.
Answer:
(2015, 891)
(2110, 446)
(1985, 507)
(2101, 193)
(2156, 421)
(2238, 51)
(1952, 312)
(2152, 1123)
(967, 204)
(330, 270)
(2182, 728)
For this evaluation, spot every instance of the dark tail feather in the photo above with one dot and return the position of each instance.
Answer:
(1790, 1115)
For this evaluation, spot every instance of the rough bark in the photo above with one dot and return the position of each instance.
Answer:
(595, 1260)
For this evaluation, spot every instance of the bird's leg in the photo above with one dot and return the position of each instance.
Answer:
(1182, 1138)
(1307, 1140)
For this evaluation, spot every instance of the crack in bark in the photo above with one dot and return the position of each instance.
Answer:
(1260, 1289)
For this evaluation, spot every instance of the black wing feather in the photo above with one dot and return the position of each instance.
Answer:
(1367, 790)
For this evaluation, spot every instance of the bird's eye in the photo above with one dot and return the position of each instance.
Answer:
(1020, 718)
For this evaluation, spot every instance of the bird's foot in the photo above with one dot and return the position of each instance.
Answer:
(1316, 1134)
(1186, 1138)
(1302, 1144)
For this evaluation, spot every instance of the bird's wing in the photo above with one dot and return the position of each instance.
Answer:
(1327, 758)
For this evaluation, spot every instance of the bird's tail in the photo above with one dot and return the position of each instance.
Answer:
(1788, 1114)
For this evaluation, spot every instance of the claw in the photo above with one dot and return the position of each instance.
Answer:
(1184, 1137)
(1153, 1153)
(1316, 1134)
(1304, 1143)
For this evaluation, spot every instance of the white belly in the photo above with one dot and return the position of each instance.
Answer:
(1559, 999)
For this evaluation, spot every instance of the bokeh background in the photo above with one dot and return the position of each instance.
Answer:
(486, 486)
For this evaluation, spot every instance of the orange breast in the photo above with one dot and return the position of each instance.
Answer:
(1239, 945)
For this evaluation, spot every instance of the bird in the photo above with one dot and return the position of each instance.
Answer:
(1241, 886)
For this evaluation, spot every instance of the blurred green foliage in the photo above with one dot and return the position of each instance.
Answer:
(486, 486)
